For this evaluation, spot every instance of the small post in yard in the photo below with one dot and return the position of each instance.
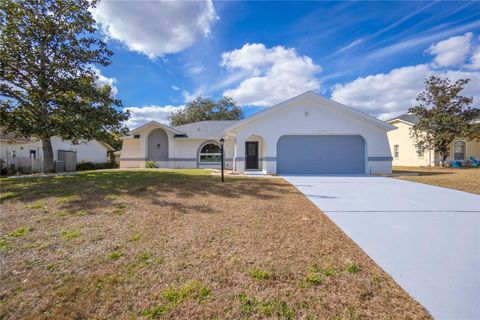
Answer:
(222, 141)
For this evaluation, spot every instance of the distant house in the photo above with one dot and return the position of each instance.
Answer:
(307, 134)
(405, 153)
(26, 153)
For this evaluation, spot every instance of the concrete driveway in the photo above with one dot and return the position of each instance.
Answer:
(427, 238)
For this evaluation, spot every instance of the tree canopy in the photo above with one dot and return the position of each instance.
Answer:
(48, 79)
(444, 115)
(206, 109)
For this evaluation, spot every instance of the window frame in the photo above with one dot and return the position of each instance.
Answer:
(200, 153)
(396, 151)
(464, 144)
(420, 153)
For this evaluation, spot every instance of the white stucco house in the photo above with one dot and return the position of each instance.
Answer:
(25, 152)
(307, 134)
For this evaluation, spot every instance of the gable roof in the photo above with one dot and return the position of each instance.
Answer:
(154, 123)
(406, 117)
(210, 129)
(324, 101)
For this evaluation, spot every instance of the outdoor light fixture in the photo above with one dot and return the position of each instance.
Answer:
(222, 141)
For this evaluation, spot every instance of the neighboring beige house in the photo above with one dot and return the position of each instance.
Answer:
(405, 153)
(307, 134)
(27, 153)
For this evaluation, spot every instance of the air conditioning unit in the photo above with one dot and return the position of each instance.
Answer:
(59, 166)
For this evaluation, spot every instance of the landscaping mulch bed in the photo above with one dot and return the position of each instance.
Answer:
(463, 179)
(180, 244)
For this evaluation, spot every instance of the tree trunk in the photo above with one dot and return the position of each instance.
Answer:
(444, 159)
(47, 155)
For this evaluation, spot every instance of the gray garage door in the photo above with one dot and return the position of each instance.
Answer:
(322, 154)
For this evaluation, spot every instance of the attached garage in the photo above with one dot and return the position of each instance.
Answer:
(321, 154)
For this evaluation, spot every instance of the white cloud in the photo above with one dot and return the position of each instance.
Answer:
(142, 115)
(383, 94)
(475, 60)
(174, 87)
(272, 74)
(453, 51)
(103, 80)
(386, 95)
(196, 69)
(156, 28)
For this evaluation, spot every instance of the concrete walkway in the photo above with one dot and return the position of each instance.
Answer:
(427, 238)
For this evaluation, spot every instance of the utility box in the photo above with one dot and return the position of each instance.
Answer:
(59, 166)
(69, 158)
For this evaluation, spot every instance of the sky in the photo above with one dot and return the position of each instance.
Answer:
(373, 56)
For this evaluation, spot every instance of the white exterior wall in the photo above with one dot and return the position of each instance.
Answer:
(308, 117)
(182, 152)
(92, 151)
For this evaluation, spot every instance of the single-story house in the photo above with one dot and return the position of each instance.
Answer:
(307, 134)
(405, 153)
(27, 153)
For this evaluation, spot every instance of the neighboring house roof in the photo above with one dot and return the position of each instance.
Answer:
(13, 137)
(406, 117)
(324, 101)
(210, 129)
(106, 145)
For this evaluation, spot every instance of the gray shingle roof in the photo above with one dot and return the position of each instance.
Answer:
(407, 117)
(211, 129)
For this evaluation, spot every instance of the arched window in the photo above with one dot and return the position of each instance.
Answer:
(459, 150)
(210, 153)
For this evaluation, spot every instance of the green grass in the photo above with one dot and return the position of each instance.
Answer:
(39, 205)
(7, 195)
(260, 274)
(313, 278)
(156, 312)
(145, 256)
(353, 268)
(20, 232)
(115, 255)
(194, 290)
(251, 306)
(70, 234)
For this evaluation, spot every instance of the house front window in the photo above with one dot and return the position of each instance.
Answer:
(210, 153)
(420, 152)
(396, 151)
(459, 150)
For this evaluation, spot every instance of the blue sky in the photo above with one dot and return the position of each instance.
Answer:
(370, 55)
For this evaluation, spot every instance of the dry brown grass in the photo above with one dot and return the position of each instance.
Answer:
(463, 179)
(179, 244)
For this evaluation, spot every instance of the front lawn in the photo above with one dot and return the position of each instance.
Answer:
(463, 179)
(180, 244)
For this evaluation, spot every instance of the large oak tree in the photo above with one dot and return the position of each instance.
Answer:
(444, 115)
(207, 109)
(48, 80)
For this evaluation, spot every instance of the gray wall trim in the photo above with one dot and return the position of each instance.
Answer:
(240, 159)
(133, 159)
(182, 159)
(268, 159)
(380, 158)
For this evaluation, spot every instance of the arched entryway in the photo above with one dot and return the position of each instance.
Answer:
(158, 145)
